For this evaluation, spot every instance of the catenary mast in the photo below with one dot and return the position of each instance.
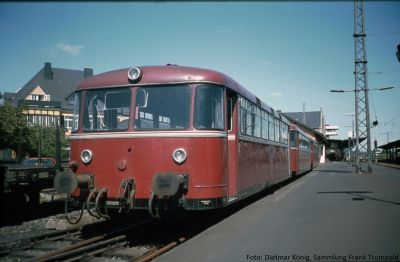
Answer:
(363, 149)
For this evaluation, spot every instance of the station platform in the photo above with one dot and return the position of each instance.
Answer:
(329, 214)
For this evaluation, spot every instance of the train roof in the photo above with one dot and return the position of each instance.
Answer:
(171, 74)
(306, 130)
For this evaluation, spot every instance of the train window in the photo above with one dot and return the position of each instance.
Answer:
(264, 126)
(247, 117)
(107, 109)
(162, 107)
(304, 142)
(257, 126)
(293, 138)
(77, 108)
(301, 141)
(209, 111)
(284, 133)
(271, 128)
(277, 132)
(249, 120)
(118, 99)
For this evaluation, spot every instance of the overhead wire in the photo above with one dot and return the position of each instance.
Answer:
(381, 34)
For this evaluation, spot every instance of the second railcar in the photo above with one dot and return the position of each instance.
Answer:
(302, 158)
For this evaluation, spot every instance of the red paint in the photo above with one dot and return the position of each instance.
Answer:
(206, 163)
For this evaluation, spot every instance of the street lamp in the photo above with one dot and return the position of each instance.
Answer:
(351, 157)
(357, 156)
(345, 91)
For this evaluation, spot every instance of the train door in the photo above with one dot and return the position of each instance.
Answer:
(232, 128)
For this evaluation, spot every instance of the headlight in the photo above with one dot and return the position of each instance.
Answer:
(86, 156)
(179, 155)
(134, 74)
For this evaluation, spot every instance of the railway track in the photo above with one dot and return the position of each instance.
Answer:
(130, 238)
(100, 241)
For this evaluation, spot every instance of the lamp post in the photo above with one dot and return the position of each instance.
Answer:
(352, 137)
(356, 115)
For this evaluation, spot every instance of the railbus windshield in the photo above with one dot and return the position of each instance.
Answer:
(106, 110)
(162, 107)
(156, 107)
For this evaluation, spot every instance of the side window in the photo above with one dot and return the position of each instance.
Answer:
(242, 116)
(247, 117)
(271, 128)
(293, 138)
(249, 120)
(277, 133)
(209, 107)
(264, 124)
(285, 131)
(257, 122)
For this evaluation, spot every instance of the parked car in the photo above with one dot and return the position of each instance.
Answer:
(34, 161)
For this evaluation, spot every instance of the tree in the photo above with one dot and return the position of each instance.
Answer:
(16, 135)
(47, 137)
(12, 124)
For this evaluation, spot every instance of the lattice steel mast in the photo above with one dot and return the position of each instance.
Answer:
(363, 149)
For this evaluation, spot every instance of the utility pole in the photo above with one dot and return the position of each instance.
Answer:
(361, 89)
(352, 136)
(387, 136)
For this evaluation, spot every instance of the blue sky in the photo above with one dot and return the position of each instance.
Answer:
(286, 53)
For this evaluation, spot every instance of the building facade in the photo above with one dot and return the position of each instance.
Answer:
(49, 95)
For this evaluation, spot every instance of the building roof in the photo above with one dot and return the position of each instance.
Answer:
(318, 135)
(394, 144)
(312, 119)
(8, 95)
(57, 82)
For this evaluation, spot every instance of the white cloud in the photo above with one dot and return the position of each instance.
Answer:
(266, 63)
(276, 94)
(74, 50)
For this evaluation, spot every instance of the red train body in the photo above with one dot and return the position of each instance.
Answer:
(163, 137)
(300, 151)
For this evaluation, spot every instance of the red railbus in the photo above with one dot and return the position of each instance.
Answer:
(171, 137)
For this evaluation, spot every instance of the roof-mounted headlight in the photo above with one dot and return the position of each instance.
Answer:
(179, 155)
(86, 156)
(134, 74)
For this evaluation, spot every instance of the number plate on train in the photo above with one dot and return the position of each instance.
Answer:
(43, 174)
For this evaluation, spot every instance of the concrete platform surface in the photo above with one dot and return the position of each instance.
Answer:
(330, 214)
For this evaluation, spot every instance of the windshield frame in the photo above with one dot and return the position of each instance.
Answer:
(76, 112)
